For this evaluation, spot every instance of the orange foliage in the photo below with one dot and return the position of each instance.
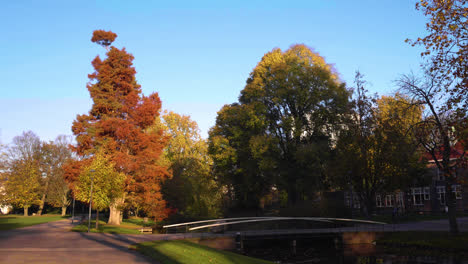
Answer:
(103, 38)
(116, 124)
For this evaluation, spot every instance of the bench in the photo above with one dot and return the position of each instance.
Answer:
(146, 230)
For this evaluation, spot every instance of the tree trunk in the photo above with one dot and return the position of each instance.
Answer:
(452, 208)
(41, 205)
(292, 194)
(65, 202)
(97, 219)
(115, 212)
(26, 210)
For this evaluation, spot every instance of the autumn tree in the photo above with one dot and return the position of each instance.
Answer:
(192, 190)
(107, 183)
(22, 185)
(23, 174)
(375, 153)
(438, 132)
(58, 194)
(447, 47)
(396, 116)
(3, 177)
(302, 101)
(288, 114)
(239, 161)
(117, 124)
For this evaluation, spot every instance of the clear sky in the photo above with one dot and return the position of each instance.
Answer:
(196, 54)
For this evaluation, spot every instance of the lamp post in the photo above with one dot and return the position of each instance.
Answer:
(90, 199)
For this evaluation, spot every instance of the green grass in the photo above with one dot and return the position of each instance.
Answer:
(139, 221)
(425, 239)
(124, 228)
(8, 222)
(184, 252)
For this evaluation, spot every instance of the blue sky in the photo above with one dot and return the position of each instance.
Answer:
(195, 54)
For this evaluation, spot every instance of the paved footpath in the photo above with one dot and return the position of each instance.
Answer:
(53, 243)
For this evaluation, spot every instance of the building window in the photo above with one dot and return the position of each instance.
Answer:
(399, 199)
(347, 197)
(456, 189)
(440, 175)
(378, 201)
(356, 202)
(441, 194)
(427, 193)
(389, 200)
(417, 196)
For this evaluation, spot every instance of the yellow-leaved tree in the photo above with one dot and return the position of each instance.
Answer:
(192, 191)
(106, 182)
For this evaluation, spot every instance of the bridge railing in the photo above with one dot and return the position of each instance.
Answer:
(222, 225)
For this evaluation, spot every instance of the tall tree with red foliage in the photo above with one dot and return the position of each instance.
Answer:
(117, 125)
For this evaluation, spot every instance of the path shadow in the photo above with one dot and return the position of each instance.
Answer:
(118, 242)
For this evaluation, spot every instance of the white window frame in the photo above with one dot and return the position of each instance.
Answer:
(378, 201)
(440, 194)
(356, 202)
(456, 189)
(440, 175)
(417, 192)
(389, 200)
(399, 199)
(427, 193)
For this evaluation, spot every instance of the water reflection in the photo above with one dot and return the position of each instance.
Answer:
(325, 252)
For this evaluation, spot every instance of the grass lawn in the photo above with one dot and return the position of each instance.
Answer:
(139, 221)
(8, 222)
(184, 252)
(124, 228)
(424, 239)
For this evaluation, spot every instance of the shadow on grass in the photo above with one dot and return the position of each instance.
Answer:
(185, 252)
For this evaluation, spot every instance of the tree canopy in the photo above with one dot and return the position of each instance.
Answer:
(284, 125)
(447, 46)
(192, 190)
(117, 124)
(376, 154)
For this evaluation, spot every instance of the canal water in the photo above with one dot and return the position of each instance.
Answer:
(325, 252)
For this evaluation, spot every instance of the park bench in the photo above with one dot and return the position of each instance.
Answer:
(146, 230)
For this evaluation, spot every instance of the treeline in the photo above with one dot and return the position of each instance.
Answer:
(32, 173)
(134, 159)
(296, 132)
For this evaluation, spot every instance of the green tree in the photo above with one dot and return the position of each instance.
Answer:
(22, 186)
(23, 172)
(192, 189)
(376, 152)
(302, 103)
(239, 147)
(108, 184)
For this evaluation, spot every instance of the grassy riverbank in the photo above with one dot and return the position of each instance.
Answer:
(184, 252)
(8, 222)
